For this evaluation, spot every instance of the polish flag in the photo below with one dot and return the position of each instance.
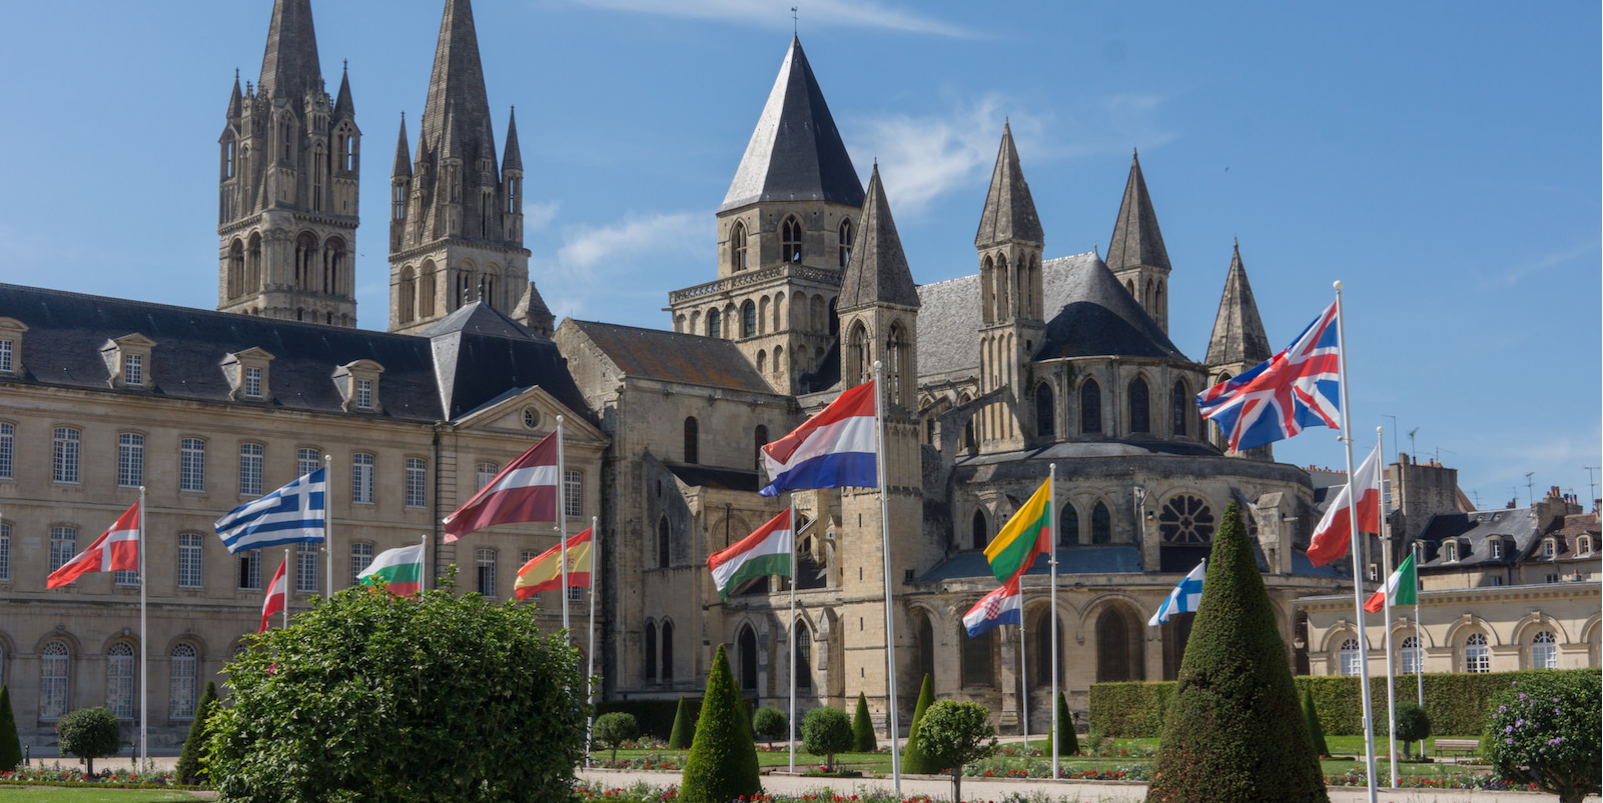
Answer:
(1334, 532)
(526, 490)
(277, 596)
(117, 549)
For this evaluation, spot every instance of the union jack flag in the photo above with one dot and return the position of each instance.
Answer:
(1299, 387)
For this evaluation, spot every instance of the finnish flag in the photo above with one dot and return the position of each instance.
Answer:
(292, 513)
(1184, 598)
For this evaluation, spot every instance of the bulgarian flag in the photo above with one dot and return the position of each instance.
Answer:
(1401, 587)
(1027, 534)
(401, 568)
(544, 571)
(764, 552)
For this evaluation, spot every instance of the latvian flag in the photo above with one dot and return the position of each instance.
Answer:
(526, 490)
(277, 596)
(1334, 532)
(401, 569)
(543, 572)
(1004, 606)
(764, 552)
(834, 449)
(117, 549)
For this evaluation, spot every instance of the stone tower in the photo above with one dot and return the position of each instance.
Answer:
(1238, 343)
(1012, 324)
(290, 164)
(879, 321)
(1136, 254)
(785, 235)
(456, 219)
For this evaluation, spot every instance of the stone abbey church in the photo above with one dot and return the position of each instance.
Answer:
(1037, 359)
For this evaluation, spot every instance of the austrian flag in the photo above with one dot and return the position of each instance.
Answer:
(116, 550)
(526, 490)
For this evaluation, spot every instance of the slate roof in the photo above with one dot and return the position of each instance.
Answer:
(796, 152)
(721, 478)
(289, 66)
(1238, 334)
(877, 272)
(1009, 213)
(1136, 238)
(479, 353)
(1571, 527)
(1100, 317)
(1102, 559)
(674, 357)
(1519, 524)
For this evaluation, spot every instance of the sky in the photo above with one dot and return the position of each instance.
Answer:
(1441, 159)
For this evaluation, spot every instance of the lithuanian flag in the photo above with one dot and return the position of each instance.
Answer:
(1027, 534)
(544, 571)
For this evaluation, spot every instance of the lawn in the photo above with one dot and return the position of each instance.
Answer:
(45, 794)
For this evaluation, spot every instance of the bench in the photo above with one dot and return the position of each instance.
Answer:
(1466, 747)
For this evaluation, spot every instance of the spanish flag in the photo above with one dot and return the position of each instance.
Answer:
(544, 572)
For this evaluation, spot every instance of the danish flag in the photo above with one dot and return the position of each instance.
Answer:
(117, 549)
(1299, 387)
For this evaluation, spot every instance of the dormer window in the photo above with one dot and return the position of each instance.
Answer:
(1450, 551)
(253, 382)
(359, 386)
(11, 331)
(364, 394)
(128, 360)
(1583, 545)
(249, 374)
(1549, 549)
(1494, 549)
(133, 370)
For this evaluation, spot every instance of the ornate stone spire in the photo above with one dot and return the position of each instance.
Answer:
(289, 67)
(877, 272)
(1136, 238)
(456, 117)
(344, 107)
(1238, 335)
(513, 158)
(1009, 213)
(403, 154)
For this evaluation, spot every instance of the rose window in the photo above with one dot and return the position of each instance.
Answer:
(1186, 520)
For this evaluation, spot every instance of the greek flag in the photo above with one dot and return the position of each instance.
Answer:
(292, 513)
(1184, 598)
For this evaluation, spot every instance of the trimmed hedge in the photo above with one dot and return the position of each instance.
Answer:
(654, 716)
(1458, 704)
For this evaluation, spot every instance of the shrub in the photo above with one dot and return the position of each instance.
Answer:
(10, 744)
(656, 717)
(914, 760)
(722, 764)
(825, 732)
(1413, 725)
(90, 733)
(863, 740)
(1544, 727)
(684, 726)
(1065, 734)
(1235, 730)
(769, 723)
(380, 698)
(191, 770)
(956, 734)
(615, 729)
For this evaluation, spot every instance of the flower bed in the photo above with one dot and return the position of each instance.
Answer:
(66, 776)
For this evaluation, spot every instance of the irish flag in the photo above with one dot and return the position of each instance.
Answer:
(1027, 534)
(764, 552)
(1401, 587)
(544, 571)
(401, 568)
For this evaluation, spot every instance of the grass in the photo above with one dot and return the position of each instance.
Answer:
(45, 794)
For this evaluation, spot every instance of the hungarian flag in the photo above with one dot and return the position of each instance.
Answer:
(1401, 587)
(277, 596)
(1026, 535)
(543, 572)
(1334, 532)
(526, 490)
(1003, 606)
(764, 552)
(400, 568)
(117, 549)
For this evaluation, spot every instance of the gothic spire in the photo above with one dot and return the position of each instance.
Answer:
(236, 101)
(289, 67)
(344, 107)
(513, 158)
(403, 155)
(877, 272)
(1238, 334)
(456, 117)
(1136, 239)
(1009, 213)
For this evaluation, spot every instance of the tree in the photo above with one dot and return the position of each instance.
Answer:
(1316, 731)
(1235, 733)
(684, 727)
(10, 744)
(863, 728)
(914, 759)
(90, 733)
(825, 732)
(722, 764)
(616, 728)
(1544, 728)
(769, 723)
(374, 697)
(1413, 725)
(1071, 740)
(191, 770)
(957, 734)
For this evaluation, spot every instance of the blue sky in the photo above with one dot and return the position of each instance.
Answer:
(1440, 158)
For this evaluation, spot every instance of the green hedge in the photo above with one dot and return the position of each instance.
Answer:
(655, 717)
(1457, 703)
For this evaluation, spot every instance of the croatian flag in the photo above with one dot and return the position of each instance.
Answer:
(1184, 598)
(526, 490)
(1003, 606)
(292, 513)
(1335, 531)
(834, 449)
(117, 549)
(1297, 388)
(277, 595)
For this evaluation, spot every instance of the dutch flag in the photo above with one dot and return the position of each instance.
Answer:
(834, 449)
(1183, 599)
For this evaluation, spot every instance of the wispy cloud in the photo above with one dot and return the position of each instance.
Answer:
(772, 14)
(1518, 273)
(626, 258)
(922, 158)
(538, 216)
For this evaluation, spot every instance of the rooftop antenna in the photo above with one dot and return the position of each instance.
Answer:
(1393, 431)
(1477, 497)
(1412, 452)
(795, 23)
(1591, 482)
(1530, 495)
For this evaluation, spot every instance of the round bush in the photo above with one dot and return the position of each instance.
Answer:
(825, 732)
(1544, 727)
(90, 733)
(769, 723)
(1413, 724)
(615, 729)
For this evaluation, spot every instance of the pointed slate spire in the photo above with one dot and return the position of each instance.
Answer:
(877, 272)
(456, 117)
(795, 153)
(1136, 239)
(236, 101)
(1238, 334)
(513, 158)
(289, 67)
(344, 107)
(403, 154)
(1009, 210)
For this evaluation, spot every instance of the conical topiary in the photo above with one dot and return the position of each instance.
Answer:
(863, 740)
(1235, 734)
(1071, 740)
(722, 764)
(914, 761)
(10, 744)
(684, 728)
(1316, 731)
(190, 770)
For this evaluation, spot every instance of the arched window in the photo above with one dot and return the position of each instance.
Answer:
(845, 241)
(335, 282)
(895, 361)
(1090, 407)
(425, 291)
(692, 440)
(999, 289)
(1041, 656)
(779, 359)
(664, 543)
(1117, 648)
(253, 264)
(55, 663)
(1179, 405)
(980, 537)
(1101, 525)
(236, 269)
(815, 314)
(747, 647)
(1347, 657)
(1410, 657)
(804, 657)
(665, 668)
(862, 356)
(120, 680)
(406, 300)
(1140, 416)
(714, 323)
(1477, 656)
(305, 261)
(790, 240)
(760, 439)
(762, 314)
(834, 318)
(1045, 408)
(183, 676)
(737, 247)
(976, 659)
(762, 361)
(1068, 524)
(926, 647)
(748, 319)
(1544, 650)
(651, 651)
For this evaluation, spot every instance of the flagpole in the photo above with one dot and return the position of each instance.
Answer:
(1024, 665)
(423, 582)
(144, 644)
(1419, 639)
(1051, 503)
(1385, 551)
(1358, 577)
(562, 526)
(286, 588)
(885, 549)
(790, 722)
(328, 527)
(590, 657)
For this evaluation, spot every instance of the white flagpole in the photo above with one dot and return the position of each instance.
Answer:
(590, 657)
(1357, 555)
(144, 644)
(790, 723)
(423, 582)
(562, 526)
(885, 548)
(286, 587)
(1385, 551)
(1419, 638)
(1052, 498)
(1024, 664)
(328, 527)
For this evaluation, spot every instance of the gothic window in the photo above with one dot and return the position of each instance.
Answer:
(1045, 408)
(1068, 524)
(651, 651)
(1090, 407)
(228, 158)
(1477, 656)
(737, 247)
(465, 285)
(1186, 520)
(896, 357)
(253, 264)
(976, 658)
(425, 291)
(664, 543)
(665, 667)
(747, 647)
(236, 269)
(120, 680)
(926, 647)
(845, 241)
(1409, 657)
(714, 324)
(1179, 404)
(486, 292)
(980, 537)
(761, 438)
(1101, 525)
(1117, 648)
(692, 440)
(305, 259)
(334, 278)
(1347, 662)
(790, 240)
(817, 314)
(748, 319)
(486, 208)
(862, 356)
(987, 290)
(319, 162)
(514, 195)
(1544, 650)
(804, 657)
(407, 296)
(1140, 417)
